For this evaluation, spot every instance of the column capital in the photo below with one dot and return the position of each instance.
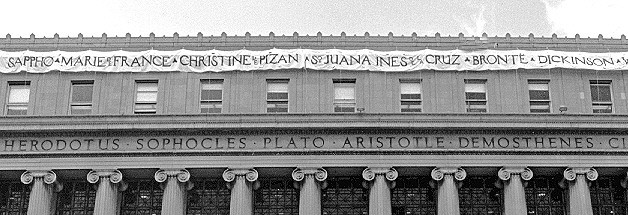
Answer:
(320, 174)
(571, 173)
(370, 173)
(505, 173)
(114, 176)
(49, 176)
(162, 175)
(439, 173)
(230, 174)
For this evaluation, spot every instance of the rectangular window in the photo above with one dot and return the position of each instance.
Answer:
(475, 95)
(344, 95)
(601, 97)
(81, 100)
(410, 91)
(19, 96)
(211, 95)
(277, 95)
(146, 97)
(539, 96)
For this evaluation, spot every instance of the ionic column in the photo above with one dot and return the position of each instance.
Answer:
(242, 182)
(514, 193)
(175, 191)
(107, 195)
(380, 181)
(579, 195)
(310, 181)
(448, 203)
(43, 191)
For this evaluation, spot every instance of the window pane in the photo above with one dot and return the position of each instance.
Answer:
(19, 94)
(410, 88)
(479, 96)
(211, 107)
(278, 96)
(539, 95)
(602, 108)
(82, 93)
(344, 93)
(476, 88)
(211, 95)
(80, 109)
(17, 110)
(146, 96)
(410, 96)
(277, 87)
(544, 87)
(600, 93)
(147, 87)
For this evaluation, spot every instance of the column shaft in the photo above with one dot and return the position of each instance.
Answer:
(514, 196)
(580, 197)
(310, 196)
(379, 196)
(106, 198)
(241, 197)
(448, 203)
(42, 198)
(174, 197)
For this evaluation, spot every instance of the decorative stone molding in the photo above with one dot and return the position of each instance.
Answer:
(163, 174)
(571, 173)
(458, 173)
(370, 173)
(49, 176)
(506, 172)
(298, 174)
(114, 176)
(229, 175)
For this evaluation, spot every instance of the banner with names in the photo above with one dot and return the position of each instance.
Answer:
(329, 59)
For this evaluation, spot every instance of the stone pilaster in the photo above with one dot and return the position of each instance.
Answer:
(579, 195)
(514, 193)
(109, 187)
(310, 181)
(380, 181)
(175, 191)
(43, 191)
(242, 182)
(448, 203)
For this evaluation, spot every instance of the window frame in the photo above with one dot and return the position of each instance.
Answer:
(285, 101)
(9, 105)
(211, 103)
(136, 102)
(599, 83)
(547, 101)
(468, 101)
(72, 104)
(419, 82)
(348, 103)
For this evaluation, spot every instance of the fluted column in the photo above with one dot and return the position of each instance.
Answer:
(242, 182)
(43, 191)
(579, 195)
(109, 185)
(310, 181)
(514, 193)
(380, 181)
(175, 192)
(448, 203)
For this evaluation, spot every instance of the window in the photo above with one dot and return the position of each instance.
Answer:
(544, 196)
(345, 195)
(19, 96)
(211, 95)
(344, 95)
(410, 91)
(478, 195)
(146, 97)
(475, 95)
(413, 195)
(277, 95)
(209, 196)
(276, 196)
(76, 197)
(608, 196)
(14, 197)
(143, 196)
(81, 101)
(539, 96)
(601, 98)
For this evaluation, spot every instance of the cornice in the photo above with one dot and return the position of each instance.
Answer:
(548, 122)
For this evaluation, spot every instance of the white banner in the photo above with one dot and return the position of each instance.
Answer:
(330, 59)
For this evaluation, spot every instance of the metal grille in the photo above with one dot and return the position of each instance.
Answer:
(142, 197)
(412, 196)
(608, 196)
(209, 196)
(345, 196)
(479, 195)
(76, 198)
(13, 198)
(545, 197)
(276, 196)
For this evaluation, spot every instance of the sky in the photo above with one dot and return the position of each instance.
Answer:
(44, 18)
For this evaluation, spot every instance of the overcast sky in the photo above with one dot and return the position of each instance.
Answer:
(402, 17)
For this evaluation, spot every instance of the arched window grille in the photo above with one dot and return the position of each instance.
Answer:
(412, 196)
(142, 197)
(209, 196)
(479, 195)
(608, 196)
(13, 197)
(345, 196)
(76, 198)
(545, 197)
(276, 196)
